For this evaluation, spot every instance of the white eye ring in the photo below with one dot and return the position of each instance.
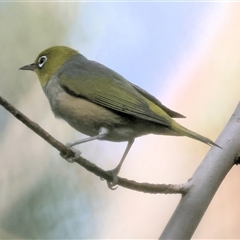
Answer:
(41, 61)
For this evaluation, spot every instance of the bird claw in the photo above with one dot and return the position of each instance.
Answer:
(113, 184)
(71, 159)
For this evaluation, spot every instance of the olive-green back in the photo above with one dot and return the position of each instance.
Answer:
(103, 86)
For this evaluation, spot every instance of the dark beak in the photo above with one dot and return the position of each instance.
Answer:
(30, 67)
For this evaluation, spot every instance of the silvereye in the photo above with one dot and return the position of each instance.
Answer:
(100, 103)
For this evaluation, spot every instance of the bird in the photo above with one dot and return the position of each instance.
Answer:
(100, 103)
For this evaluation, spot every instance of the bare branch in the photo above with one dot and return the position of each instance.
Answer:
(205, 182)
(66, 151)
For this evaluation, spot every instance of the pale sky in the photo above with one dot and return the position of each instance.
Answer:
(141, 41)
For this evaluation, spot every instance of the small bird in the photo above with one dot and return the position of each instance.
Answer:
(102, 104)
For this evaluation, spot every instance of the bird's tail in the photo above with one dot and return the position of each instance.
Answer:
(179, 129)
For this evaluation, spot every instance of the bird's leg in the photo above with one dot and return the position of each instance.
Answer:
(102, 133)
(116, 170)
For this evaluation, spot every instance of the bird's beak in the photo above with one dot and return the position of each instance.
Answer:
(30, 67)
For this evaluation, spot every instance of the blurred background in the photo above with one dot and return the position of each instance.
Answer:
(186, 54)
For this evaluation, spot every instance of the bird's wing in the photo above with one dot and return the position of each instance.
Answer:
(150, 97)
(103, 86)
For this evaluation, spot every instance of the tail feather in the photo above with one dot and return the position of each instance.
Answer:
(188, 133)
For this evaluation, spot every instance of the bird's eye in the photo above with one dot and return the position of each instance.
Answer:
(41, 61)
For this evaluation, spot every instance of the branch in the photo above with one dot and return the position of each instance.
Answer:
(66, 151)
(205, 182)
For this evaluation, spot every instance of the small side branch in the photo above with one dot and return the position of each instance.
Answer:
(66, 151)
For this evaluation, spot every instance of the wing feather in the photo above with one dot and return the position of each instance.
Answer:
(103, 86)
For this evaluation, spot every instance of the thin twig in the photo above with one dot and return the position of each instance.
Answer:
(66, 151)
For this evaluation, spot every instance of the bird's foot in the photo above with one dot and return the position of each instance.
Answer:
(113, 184)
(71, 159)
